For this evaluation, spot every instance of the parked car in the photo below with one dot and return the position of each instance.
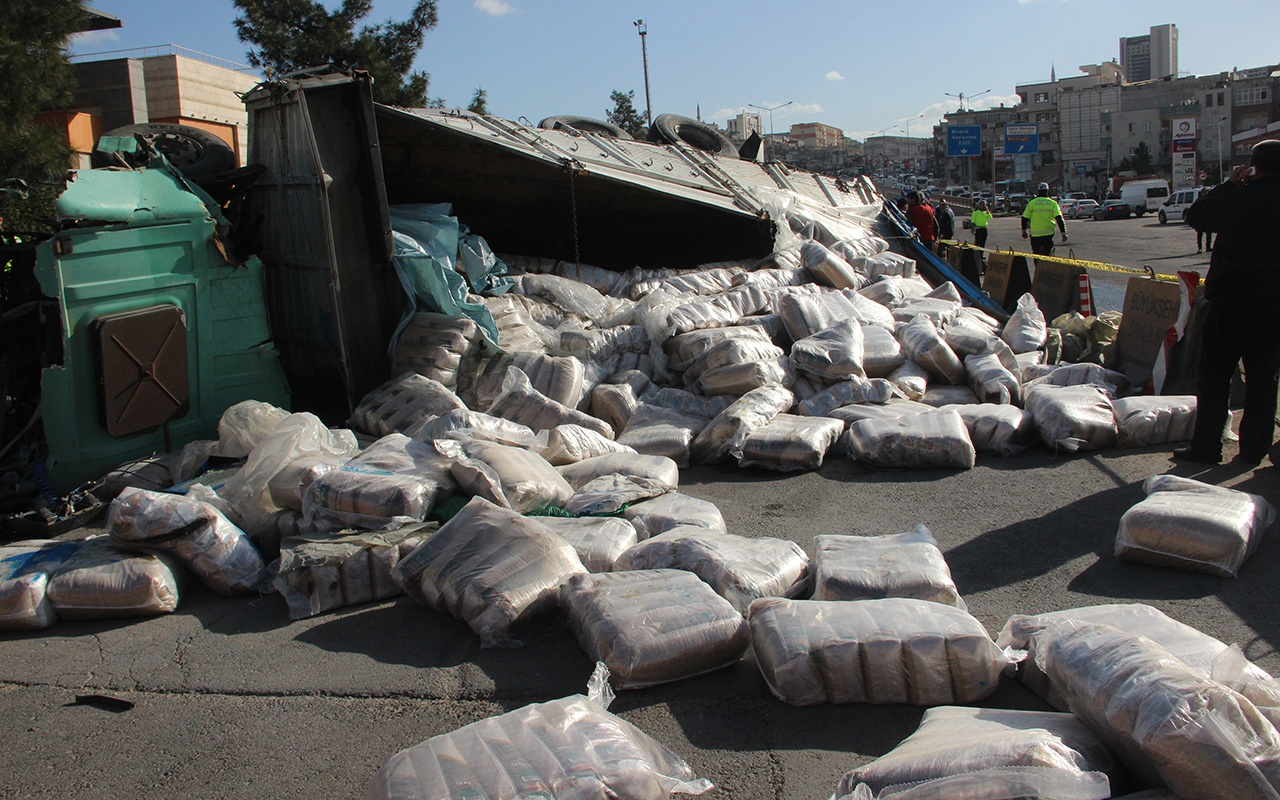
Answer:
(1066, 206)
(1178, 203)
(1113, 209)
(1081, 208)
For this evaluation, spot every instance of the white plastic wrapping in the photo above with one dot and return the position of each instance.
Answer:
(685, 402)
(936, 439)
(598, 541)
(1072, 418)
(740, 569)
(401, 403)
(518, 331)
(570, 296)
(463, 423)
(734, 350)
(657, 431)
(433, 345)
(895, 407)
(703, 281)
(834, 354)
(24, 580)
(1026, 329)
(520, 402)
(875, 391)
(688, 348)
(559, 378)
(940, 395)
(568, 748)
(511, 477)
(731, 427)
(894, 290)
(593, 345)
(322, 571)
(895, 650)
(673, 510)
(393, 482)
(997, 783)
(1001, 429)
(924, 345)
(103, 581)
(1154, 419)
(1074, 375)
(288, 486)
(715, 311)
(492, 568)
(940, 311)
(1186, 524)
(658, 468)
(911, 380)
(1169, 723)
(195, 533)
(738, 379)
(881, 351)
(653, 626)
(614, 403)
(872, 567)
(245, 424)
(569, 443)
(991, 381)
(789, 442)
(828, 268)
(608, 494)
(955, 740)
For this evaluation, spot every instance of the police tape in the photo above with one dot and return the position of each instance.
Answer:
(1077, 262)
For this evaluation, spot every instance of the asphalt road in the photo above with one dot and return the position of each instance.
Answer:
(234, 701)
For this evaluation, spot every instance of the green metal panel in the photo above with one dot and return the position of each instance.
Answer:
(155, 247)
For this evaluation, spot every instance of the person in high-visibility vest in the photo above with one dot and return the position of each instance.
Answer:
(980, 219)
(1038, 219)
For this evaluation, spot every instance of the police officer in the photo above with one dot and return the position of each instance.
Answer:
(1038, 219)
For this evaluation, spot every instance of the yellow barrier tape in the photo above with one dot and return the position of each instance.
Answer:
(1098, 265)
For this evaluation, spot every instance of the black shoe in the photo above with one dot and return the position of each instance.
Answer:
(1197, 456)
(1251, 460)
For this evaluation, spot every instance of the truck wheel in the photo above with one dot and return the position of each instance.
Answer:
(671, 128)
(197, 154)
(1139, 212)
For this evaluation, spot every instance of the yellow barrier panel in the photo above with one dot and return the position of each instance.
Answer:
(1098, 265)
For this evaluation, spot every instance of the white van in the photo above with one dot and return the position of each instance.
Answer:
(1144, 196)
(1177, 204)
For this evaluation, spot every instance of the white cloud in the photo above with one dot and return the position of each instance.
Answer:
(495, 8)
(834, 76)
(89, 41)
(804, 108)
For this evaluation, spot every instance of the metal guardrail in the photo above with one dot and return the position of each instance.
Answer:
(162, 50)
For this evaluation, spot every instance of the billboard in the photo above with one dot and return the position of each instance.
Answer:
(1022, 139)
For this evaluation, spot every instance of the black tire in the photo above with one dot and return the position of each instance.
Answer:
(1164, 220)
(670, 128)
(585, 125)
(197, 154)
(1139, 213)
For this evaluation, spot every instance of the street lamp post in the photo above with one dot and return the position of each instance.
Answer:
(1221, 175)
(644, 55)
(771, 110)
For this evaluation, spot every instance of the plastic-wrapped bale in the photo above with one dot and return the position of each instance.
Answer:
(939, 311)
(569, 444)
(433, 345)
(805, 311)
(24, 582)
(1026, 329)
(833, 354)
(289, 485)
(685, 402)
(1072, 418)
(520, 402)
(1196, 649)
(874, 391)
(736, 350)
(911, 380)
(653, 626)
(393, 482)
(893, 290)
(789, 442)
(614, 403)
(773, 278)
(323, 571)
(937, 439)
(688, 348)
(991, 380)
(465, 424)
(1196, 526)
(673, 510)
(828, 268)
(872, 567)
(708, 281)
(569, 296)
(955, 740)
(402, 402)
(560, 378)
(195, 533)
(598, 541)
(567, 748)
(881, 352)
(510, 477)
(243, 425)
(492, 568)
(885, 264)
(731, 427)
(895, 650)
(894, 408)
(862, 247)
(592, 345)
(740, 569)
(1005, 430)
(738, 379)
(925, 346)
(609, 494)
(997, 783)
(716, 311)
(1170, 724)
(518, 331)
(968, 339)
(1154, 419)
(657, 431)
(103, 581)
(1028, 361)
(939, 396)
(659, 468)
(1074, 375)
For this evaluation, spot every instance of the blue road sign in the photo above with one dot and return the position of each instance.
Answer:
(1022, 139)
(964, 140)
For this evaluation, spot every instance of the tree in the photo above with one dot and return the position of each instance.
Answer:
(289, 35)
(479, 102)
(33, 38)
(1142, 159)
(624, 113)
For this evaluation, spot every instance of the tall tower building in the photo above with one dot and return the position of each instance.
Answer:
(1152, 56)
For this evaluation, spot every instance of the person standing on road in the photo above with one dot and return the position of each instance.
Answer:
(980, 219)
(920, 215)
(1241, 294)
(946, 220)
(1204, 238)
(1038, 219)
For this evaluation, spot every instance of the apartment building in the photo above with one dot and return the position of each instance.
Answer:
(1151, 56)
(817, 135)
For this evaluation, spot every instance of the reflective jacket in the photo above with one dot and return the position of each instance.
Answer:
(1042, 211)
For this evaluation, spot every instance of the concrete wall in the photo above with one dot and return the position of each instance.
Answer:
(114, 91)
(192, 92)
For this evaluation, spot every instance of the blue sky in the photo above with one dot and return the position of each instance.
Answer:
(861, 66)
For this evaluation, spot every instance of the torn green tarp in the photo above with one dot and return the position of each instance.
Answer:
(427, 242)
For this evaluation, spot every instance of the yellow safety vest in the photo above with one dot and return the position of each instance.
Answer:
(1042, 211)
(980, 218)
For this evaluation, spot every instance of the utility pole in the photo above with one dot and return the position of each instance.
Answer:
(644, 54)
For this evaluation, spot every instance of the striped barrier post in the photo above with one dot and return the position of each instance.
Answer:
(1086, 296)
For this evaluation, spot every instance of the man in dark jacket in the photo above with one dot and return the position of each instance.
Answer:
(1241, 311)
(946, 219)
